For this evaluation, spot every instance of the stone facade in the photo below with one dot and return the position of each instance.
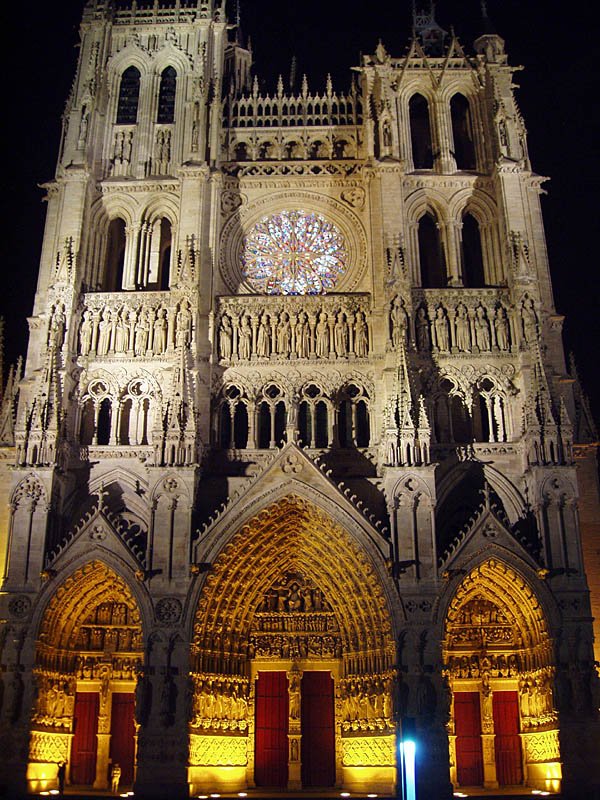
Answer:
(295, 404)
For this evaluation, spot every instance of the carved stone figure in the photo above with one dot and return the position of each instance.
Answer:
(340, 333)
(302, 336)
(225, 338)
(482, 330)
(399, 322)
(502, 329)
(322, 332)
(160, 332)
(422, 330)
(284, 335)
(463, 334)
(245, 340)
(441, 330)
(263, 342)
(361, 336)
(85, 333)
(529, 320)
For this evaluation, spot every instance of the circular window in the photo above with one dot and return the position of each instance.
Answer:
(294, 252)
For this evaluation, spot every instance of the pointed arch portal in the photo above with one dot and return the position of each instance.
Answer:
(291, 617)
(498, 657)
(88, 652)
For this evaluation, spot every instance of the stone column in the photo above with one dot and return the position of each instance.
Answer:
(294, 732)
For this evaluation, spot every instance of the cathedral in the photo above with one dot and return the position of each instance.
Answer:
(298, 490)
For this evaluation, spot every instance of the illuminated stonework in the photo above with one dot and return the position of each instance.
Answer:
(294, 252)
(221, 751)
(372, 751)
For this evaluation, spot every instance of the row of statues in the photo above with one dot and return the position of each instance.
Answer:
(293, 595)
(135, 331)
(325, 335)
(461, 329)
(536, 699)
(500, 666)
(279, 646)
(220, 703)
(55, 701)
(367, 703)
(296, 623)
(108, 638)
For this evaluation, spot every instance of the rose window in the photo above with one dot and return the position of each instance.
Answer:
(294, 252)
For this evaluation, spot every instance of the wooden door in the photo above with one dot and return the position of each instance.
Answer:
(85, 740)
(122, 735)
(318, 733)
(467, 726)
(271, 737)
(507, 742)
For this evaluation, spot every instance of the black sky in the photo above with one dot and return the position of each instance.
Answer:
(558, 98)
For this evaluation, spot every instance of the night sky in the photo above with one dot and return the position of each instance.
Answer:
(558, 98)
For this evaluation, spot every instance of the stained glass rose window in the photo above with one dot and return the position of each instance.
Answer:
(294, 252)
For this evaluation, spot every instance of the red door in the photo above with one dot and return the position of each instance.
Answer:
(85, 740)
(122, 735)
(509, 760)
(271, 740)
(318, 739)
(467, 726)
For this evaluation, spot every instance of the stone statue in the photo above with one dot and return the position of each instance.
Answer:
(529, 320)
(398, 322)
(284, 335)
(463, 334)
(361, 336)
(422, 330)
(245, 340)
(160, 332)
(85, 333)
(501, 328)
(441, 329)
(322, 344)
(263, 344)
(482, 330)
(340, 335)
(302, 335)
(225, 338)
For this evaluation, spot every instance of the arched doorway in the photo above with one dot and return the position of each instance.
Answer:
(88, 653)
(498, 657)
(292, 660)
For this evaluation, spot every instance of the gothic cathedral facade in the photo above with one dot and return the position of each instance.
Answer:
(290, 472)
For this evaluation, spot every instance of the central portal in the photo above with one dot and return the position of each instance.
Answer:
(294, 729)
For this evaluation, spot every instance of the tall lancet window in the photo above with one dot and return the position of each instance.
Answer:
(462, 130)
(420, 132)
(166, 96)
(431, 254)
(129, 95)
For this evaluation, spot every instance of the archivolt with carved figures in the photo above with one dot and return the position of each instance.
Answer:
(91, 630)
(292, 580)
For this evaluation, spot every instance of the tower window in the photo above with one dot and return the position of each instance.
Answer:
(420, 132)
(129, 95)
(166, 96)
(431, 254)
(473, 272)
(115, 256)
(462, 129)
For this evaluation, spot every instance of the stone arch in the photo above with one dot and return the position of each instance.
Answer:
(498, 660)
(89, 648)
(298, 536)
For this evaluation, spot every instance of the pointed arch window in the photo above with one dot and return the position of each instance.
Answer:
(129, 96)
(115, 256)
(472, 253)
(431, 254)
(462, 130)
(166, 96)
(420, 132)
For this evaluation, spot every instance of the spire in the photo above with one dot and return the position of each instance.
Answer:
(489, 43)
(293, 74)
(432, 36)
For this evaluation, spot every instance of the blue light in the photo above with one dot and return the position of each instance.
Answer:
(407, 752)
